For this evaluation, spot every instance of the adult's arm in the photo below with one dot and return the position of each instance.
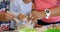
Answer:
(55, 11)
(39, 15)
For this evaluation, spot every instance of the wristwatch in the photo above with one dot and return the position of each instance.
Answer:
(47, 13)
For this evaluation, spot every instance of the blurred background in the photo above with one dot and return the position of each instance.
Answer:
(4, 3)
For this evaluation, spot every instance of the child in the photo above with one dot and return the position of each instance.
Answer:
(19, 7)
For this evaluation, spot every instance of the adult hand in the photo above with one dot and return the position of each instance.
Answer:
(37, 15)
(6, 16)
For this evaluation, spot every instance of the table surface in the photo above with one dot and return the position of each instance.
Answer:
(39, 29)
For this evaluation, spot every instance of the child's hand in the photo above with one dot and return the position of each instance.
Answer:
(27, 1)
(21, 16)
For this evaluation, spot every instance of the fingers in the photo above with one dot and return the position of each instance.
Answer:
(37, 15)
(9, 16)
(6, 16)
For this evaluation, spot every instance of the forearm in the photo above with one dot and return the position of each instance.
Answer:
(55, 11)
